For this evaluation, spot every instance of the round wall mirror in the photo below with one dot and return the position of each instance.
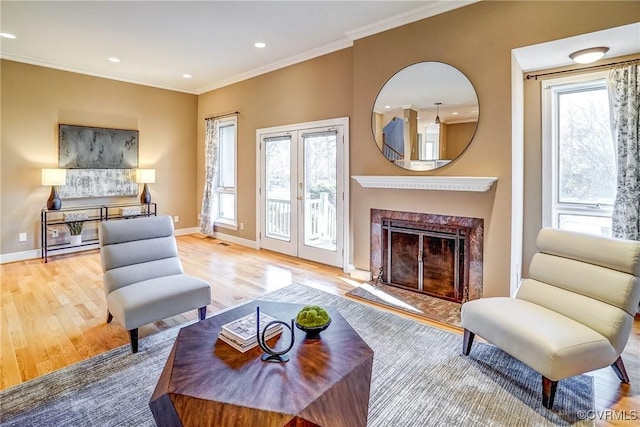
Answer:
(425, 116)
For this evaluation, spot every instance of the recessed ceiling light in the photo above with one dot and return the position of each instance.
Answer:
(587, 56)
(7, 36)
(114, 59)
(260, 45)
(455, 113)
(186, 76)
(387, 106)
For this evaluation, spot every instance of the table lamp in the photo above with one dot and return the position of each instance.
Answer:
(145, 176)
(54, 178)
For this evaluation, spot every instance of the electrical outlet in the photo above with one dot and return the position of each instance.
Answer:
(22, 237)
(54, 232)
(176, 219)
(242, 226)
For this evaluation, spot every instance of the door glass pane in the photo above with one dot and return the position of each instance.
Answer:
(586, 150)
(278, 187)
(320, 178)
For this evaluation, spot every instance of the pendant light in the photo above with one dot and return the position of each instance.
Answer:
(438, 104)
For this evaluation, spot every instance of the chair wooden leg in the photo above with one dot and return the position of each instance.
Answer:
(619, 369)
(109, 317)
(548, 392)
(467, 341)
(133, 334)
(202, 312)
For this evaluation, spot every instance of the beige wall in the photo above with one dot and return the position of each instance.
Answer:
(36, 99)
(313, 90)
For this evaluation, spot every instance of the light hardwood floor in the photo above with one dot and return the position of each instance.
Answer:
(53, 314)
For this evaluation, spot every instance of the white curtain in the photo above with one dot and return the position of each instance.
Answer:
(624, 96)
(210, 171)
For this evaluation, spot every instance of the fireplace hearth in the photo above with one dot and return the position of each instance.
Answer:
(436, 255)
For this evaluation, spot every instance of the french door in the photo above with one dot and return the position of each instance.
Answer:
(301, 193)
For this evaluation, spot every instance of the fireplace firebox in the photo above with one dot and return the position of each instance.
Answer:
(436, 255)
(426, 258)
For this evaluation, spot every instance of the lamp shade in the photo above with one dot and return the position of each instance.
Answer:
(54, 176)
(145, 176)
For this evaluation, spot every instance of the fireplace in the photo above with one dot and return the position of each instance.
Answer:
(436, 255)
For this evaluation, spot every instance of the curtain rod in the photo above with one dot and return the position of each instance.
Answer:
(573, 70)
(230, 113)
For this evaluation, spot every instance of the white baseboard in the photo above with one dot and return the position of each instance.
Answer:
(19, 256)
(362, 275)
(35, 253)
(185, 231)
(237, 240)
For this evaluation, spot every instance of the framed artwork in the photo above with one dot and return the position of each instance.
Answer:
(100, 162)
(82, 147)
(99, 183)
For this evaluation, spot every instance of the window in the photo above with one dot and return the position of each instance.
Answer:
(579, 155)
(226, 177)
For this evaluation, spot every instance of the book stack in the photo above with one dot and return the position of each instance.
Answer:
(241, 333)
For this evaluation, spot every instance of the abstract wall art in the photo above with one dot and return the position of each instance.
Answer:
(82, 147)
(99, 183)
(100, 162)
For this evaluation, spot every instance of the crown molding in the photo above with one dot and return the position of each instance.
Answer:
(56, 66)
(444, 183)
(304, 56)
(418, 14)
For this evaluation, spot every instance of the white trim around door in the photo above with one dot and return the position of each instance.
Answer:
(294, 244)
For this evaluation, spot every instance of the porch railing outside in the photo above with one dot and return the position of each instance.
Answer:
(278, 218)
(320, 221)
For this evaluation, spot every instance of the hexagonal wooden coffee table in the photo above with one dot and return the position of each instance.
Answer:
(206, 382)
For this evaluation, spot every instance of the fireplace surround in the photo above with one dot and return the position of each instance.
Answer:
(436, 255)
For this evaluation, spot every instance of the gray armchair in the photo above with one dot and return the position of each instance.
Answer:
(574, 313)
(143, 276)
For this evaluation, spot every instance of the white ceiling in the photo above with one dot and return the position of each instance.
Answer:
(159, 41)
(624, 40)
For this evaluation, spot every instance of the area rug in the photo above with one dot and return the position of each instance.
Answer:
(410, 302)
(420, 378)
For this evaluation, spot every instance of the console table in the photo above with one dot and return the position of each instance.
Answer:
(53, 229)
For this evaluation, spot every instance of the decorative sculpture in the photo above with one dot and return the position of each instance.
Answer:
(272, 355)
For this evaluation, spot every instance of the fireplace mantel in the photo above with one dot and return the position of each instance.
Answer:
(446, 183)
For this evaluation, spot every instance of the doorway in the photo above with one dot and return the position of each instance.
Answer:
(302, 182)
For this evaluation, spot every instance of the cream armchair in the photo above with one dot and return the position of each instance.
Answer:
(143, 277)
(572, 315)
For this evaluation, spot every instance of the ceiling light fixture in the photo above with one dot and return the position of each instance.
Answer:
(186, 76)
(438, 104)
(114, 59)
(587, 56)
(7, 36)
(260, 45)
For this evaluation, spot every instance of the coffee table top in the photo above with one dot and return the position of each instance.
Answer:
(203, 367)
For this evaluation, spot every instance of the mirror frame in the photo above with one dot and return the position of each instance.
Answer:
(435, 79)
